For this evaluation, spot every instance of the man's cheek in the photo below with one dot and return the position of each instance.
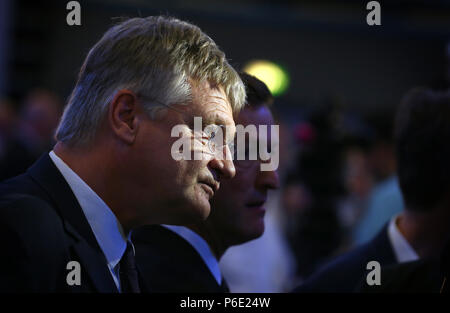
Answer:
(240, 184)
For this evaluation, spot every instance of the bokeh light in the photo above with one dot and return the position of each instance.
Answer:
(273, 75)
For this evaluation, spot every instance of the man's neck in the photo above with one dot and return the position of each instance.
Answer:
(93, 168)
(425, 232)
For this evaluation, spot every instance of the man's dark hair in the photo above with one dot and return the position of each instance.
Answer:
(422, 143)
(257, 92)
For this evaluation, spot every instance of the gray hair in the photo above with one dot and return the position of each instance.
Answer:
(154, 57)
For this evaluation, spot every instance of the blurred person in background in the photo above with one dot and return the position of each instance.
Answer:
(312, 191)
(33, 133)
(295, 201)
(186, 259)
(420, 231)
(429, 275)
(422, 136)
(7, 122)
(385, 199)
(358, 182)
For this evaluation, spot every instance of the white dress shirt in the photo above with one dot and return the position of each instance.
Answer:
(106, 228)
(402, 249)
(201, 246)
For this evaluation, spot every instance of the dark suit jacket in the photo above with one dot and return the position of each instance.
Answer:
(42, 228)
(426, 275)
(345, 273)
(416, 276)
(168, 263)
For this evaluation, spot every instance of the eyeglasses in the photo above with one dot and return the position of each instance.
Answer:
(216, 142)
(212, 135)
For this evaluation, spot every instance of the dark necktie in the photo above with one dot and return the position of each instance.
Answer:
(128, 273)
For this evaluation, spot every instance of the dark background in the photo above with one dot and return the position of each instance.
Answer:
(346, 80)
(326, 46)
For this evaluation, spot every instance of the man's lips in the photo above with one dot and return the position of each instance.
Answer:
(257, 205)
(210, 187)
(207, 188)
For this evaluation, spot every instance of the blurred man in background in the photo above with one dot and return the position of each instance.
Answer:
(33, 134)
(7, 122)
(311, 191)
(385, 199)
(422, 133)
(186, 259)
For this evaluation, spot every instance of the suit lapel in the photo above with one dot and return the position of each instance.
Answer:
(93, 263)
(46, 174)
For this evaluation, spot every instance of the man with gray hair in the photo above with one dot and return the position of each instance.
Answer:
(237, 215)
(65, 224)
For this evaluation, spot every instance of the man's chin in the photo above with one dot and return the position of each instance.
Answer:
(192, 212)
(251, 231)
(200, 211)
(257, 230)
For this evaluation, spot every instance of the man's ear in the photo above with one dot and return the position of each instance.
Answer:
(123, 116)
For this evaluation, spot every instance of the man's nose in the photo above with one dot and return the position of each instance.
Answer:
(223, 164)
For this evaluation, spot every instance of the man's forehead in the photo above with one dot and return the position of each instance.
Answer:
(219, 118)
(211, 103)
(255, 116)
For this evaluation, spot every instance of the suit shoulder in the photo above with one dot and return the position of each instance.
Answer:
(21, 185)
(33, 242)
(158, 254)
(349, 261)
(414, 276)
(341, 274)
(29, 216)
(156, 236)
(158, 247)
(24, 203)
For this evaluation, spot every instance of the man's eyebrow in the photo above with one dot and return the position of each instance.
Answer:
(214, 120)
(209, 120)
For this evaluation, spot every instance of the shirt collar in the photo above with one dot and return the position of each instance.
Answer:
(402, 249)
(106, 228)
(201, 246)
